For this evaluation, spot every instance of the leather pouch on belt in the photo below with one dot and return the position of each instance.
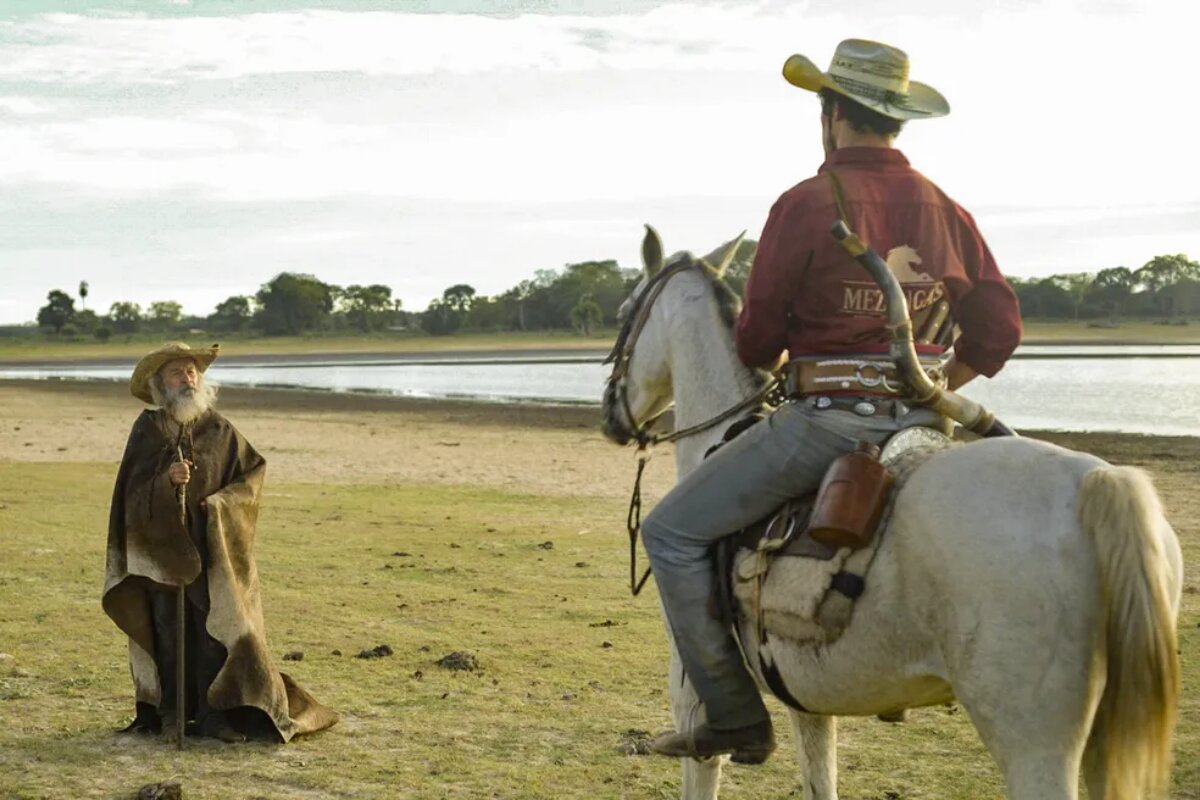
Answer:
(851, 499)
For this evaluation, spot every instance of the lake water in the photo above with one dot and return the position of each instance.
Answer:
(1127, 389)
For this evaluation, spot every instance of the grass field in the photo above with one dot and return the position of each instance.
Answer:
(48, 348)
(530, 581)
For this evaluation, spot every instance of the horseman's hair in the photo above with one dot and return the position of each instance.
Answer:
(861, 118)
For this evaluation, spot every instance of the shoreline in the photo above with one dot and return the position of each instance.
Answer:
(284, 351)
(497, 355)
(536, 415)
(514, 355)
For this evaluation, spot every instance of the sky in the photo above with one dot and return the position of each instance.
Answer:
(190, 151)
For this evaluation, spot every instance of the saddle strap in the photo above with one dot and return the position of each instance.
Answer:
(770, 673)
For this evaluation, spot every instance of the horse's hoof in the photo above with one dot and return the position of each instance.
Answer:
(895, 716)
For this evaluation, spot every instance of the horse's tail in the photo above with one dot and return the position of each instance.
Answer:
(1119, 509)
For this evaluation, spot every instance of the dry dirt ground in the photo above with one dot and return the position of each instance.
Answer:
(347, 439)
(364, 439)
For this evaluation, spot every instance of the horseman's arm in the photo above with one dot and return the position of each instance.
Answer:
(770, 290)
(987, 312)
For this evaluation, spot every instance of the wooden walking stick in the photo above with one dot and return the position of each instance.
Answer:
(180, 629)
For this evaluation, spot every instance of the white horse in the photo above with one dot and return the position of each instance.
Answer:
(1038, 586)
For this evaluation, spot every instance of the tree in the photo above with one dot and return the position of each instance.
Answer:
(1162, 274)
(440, 319)
(490, 314)
(57, 312)
(601, 281)
(126, 317)
(85, 321)
(1043, 297)
(83, 293)
(519, 295)
(586, 314)
(1112, 288)
(165, 314)
(368, 307)
(293, 303)
(232, 313)
(459, 297)
(1076, 285)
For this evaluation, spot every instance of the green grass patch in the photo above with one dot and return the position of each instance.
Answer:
(1143, 332)
(533, 587)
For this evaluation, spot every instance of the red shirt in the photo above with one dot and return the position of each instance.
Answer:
(805, 294)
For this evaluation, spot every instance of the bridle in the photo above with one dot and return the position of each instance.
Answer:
(622, 354)
(620, 357)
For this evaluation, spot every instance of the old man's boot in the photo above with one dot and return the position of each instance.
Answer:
(215, 725)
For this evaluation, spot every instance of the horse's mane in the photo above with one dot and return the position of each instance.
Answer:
(729, 305)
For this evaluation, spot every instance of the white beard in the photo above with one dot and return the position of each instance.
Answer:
(186, 405)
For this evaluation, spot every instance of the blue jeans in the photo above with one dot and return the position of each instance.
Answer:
(780, 458)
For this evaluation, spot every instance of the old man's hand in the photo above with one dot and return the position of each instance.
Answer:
(180, 472)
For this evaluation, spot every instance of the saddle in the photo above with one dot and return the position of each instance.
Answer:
(797, 573)
(789, 577)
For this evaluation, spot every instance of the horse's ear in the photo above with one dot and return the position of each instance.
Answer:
(652, 252)
(722, 257)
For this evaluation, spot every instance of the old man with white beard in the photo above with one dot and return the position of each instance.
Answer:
(184, 448)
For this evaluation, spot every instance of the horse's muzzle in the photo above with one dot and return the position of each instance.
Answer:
(614, 428)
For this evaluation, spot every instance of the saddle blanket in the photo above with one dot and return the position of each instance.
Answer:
(807, 593)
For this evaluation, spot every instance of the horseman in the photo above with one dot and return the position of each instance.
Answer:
(807, 297)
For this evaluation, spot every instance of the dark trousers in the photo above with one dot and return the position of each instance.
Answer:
(203, 657)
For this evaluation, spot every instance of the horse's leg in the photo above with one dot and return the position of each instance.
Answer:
(1095, 765)
(1033, 706)
(816, 750)
(701, 779)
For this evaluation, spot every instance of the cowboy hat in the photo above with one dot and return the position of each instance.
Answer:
(872, 74)
(152, 362)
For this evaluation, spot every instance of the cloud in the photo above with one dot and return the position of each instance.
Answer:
(398, 147)
(23, 106)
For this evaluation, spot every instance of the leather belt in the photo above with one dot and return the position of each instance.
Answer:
(850, 375)
(877, 406)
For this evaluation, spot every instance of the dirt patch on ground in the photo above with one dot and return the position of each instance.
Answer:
(347, 438)
(351, 438)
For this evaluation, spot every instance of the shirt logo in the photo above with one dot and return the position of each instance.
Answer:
(921, 290)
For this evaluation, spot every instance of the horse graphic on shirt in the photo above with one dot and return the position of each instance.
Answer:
(921, 290)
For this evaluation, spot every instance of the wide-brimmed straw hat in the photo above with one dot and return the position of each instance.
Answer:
(873, 74)
(152, 362)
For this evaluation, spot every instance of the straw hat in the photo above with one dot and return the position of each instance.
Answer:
(873, 74)
(152, 362)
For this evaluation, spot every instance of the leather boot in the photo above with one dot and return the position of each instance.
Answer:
(751, 744)
(216, 726)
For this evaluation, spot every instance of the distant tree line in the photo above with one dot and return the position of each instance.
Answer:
(582, 297)
(290, 304)
(1167, 287)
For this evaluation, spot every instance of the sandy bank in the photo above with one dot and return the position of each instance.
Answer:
(352, 438)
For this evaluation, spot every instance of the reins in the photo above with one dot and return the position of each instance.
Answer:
(620, 357)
